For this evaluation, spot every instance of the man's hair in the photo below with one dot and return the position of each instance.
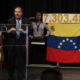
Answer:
(19, 8)
(51, 74)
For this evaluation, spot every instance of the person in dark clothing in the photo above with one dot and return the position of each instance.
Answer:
(17, 45)
(51, 74)
(38, 28)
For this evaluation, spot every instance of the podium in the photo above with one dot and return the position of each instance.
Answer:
(4, 43)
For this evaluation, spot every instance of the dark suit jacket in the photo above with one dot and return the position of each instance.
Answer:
(12, 39)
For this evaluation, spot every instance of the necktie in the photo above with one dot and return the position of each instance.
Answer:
(18, 27)
(38, 26)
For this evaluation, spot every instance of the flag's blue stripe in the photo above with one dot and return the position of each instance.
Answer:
(63, 43)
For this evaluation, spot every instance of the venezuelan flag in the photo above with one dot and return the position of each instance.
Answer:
(63, 45)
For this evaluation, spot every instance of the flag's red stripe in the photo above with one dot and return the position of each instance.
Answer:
(62, 56)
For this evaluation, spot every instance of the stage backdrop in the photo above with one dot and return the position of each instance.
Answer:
(63, 44)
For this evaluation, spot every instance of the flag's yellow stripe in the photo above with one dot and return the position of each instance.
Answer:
(65, 30)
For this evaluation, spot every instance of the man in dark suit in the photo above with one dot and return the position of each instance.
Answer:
(17, 45)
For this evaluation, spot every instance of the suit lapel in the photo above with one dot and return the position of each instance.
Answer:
(23, 22)
(14, 22)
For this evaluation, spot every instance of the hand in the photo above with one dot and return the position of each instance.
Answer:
(38, 38)
(43, 36)
(31, 37)
(21, 30)
(12, 29)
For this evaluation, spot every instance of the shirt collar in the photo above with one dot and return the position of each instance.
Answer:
(19, 18)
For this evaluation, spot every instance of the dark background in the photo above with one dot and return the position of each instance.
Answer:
(30, 7)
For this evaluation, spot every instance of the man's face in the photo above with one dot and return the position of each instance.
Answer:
(38, 16)
(18, 13)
